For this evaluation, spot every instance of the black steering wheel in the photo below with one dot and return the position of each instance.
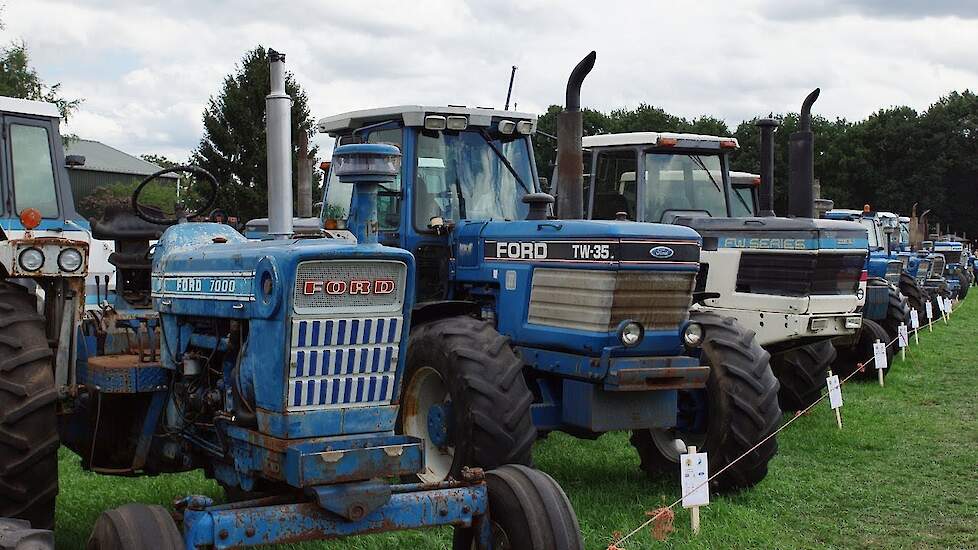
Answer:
(179, 210)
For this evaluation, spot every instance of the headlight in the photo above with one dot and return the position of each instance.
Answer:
(70, 260)
(31, 259)
(693, 335)
(630, 333)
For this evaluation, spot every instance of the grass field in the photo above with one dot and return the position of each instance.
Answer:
(902, 474)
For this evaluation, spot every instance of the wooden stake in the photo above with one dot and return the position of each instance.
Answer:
(916, 339)
(694, 512)
(903, 354)
(838, 418)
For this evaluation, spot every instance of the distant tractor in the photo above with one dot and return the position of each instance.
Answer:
(275, 366)
(954, 271)
(794, 282)
(528, 324)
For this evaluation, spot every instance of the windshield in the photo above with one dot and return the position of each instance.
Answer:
(904, 233)
(742, 205)
(679, 182)
(467, 175)
(34, 185)
(874, 238)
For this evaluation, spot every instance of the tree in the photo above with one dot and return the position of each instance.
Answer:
(18, 79)
(160, 161)
(233, 145)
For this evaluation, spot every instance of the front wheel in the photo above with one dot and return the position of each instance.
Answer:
(527, 511)
(736, 412)
(466, 398)
(135, 527)
(801, 372)
(915, 295)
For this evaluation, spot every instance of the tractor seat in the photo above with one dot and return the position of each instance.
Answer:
(120, 223)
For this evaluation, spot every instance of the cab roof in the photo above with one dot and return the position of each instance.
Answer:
(413, 115)
(744, 179)
(28, 107)
(695, 141)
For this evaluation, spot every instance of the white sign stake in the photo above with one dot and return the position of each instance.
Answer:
(915, 324)
(947, 308)
(903, 339)
(879, 354)
(694, 471)
(929, 307)
(835, 396)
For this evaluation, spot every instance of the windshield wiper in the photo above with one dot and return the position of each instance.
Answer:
(461, 200)
(505, 160)
(699, 162)
(742, 201)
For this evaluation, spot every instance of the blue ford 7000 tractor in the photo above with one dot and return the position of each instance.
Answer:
(793, 281)
(276, 366)
(526, 323)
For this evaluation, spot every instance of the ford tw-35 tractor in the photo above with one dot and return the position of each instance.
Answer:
(276, 366)
(793, 281)
(528, 324)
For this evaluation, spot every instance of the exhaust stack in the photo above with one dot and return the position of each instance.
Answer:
(278, 139)
(765, 195)
(570, 154)
(801, 160)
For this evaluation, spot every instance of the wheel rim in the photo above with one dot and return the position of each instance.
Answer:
(426, 397)
(692, 420)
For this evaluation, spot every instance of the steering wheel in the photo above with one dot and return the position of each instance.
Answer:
(179, 212)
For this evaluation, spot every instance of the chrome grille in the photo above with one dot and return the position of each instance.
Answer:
(347, 270)
(343, 362)
(597, 301)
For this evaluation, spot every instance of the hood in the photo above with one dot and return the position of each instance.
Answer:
(770, 233)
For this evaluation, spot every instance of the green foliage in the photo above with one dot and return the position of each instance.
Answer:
(18, 79)
(159, 194)
(233, 145)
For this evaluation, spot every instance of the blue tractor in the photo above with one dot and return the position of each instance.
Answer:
(885, 306)
(525, 324)
(958, 280)
(276, 366)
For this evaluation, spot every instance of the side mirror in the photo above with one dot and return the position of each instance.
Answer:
(74, 160)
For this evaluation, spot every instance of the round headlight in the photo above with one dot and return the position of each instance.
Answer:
(693, 335)
(70, 260)
(31, 259)
(630, 333)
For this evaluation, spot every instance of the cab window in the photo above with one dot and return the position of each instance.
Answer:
(615, 186)
(33, 171)
(339, 194)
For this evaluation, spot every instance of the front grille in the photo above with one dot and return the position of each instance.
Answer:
(952, 257)
(345, 271)
(938, 266)
(597, 301)
(799, 274)
(343, 362)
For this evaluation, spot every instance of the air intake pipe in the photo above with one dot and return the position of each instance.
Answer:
(366, 166)
(570, 154)
(801, 161)
(278, 138)
(765, 195)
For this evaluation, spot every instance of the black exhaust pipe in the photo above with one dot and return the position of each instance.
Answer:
(570, 155)
(765, 195)
(801, 162)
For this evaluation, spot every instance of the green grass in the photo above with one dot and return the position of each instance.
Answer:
(903, 473)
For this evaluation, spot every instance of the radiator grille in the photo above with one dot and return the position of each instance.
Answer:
(951, 256)
(799, 274)
(938, 264)
(346, 271)
(598, 301)
(345, 362)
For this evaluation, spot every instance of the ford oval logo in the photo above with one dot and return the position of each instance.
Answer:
(662, 252)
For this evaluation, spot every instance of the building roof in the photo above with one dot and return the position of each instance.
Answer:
(413, 115)
(28, 107)
(651, 138)
(100, 157)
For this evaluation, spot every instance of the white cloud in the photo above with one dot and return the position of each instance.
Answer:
(147, 70)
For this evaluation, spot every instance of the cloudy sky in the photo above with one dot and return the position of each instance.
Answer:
(145, 69)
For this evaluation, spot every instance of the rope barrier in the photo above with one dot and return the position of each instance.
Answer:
(616, 544)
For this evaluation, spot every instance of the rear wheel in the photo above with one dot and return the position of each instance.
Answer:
(737, 410)
(28, 424)
(527, 511)
(897, 313)
(135, 527)
(801, 372)
(862, 352)
(466, 398)
(915, 295)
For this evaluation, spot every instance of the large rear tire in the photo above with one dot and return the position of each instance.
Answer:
(741, 402)
(527, 511)
(28, 423)
(466, 397)
(801, 372)
(915, 295)
(849, 358)
(135, 527)
(897, 312)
